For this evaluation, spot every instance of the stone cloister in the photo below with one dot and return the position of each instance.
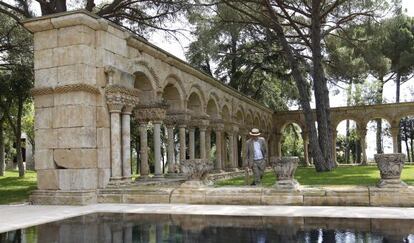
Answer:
(92, 78)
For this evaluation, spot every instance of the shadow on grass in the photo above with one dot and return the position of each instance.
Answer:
(16, 189)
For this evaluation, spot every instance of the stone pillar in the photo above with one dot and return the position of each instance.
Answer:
(235, 138)
(278, 145)
(157, 149)
(144, 167)
(181, 128)
(126, 142)
(192, 142)
(170, 148)
(219, 139)
(208, 143)
(203, 142)
(116, 152)
(231, 151)
(362, 132)
(244, 150)
(305, 137)
(334, 136)
(394, 134)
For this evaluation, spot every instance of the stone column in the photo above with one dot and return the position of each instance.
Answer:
(362, 132)
(116, 153)
(231, 151)
(208, 142)
(202, 142)
(144, 167)
(334, 136)
(219, 139)
(244, 150)
(157, 149)
(170, 148)
(235, 147)
(394, 134)
(126, 142)
(278, 145)
(192, 142)
(305, 137)
(181, 128)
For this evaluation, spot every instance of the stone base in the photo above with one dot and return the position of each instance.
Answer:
(287, 185)
(391, 183)
(193, 184)
(56, 197)
(175, 175)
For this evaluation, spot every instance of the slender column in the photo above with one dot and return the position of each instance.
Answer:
(182, 142)
(236, 150)
(305, 138)
(192, 142)
(202, 142)
(219, 138)
(243, 148)
(394, 134)
(144, 167)
(208, 142)
(170, 149)
(116, 153)
(231, 151)
(278, 145)
(157, 149)
(126, 142)
(362, 132)
(334, 136)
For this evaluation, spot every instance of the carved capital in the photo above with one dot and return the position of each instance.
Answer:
(155, 112)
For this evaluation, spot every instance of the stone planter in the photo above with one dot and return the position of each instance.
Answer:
(196, 170)
(390, 166)
(284, 169)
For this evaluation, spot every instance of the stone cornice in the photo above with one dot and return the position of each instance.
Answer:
(64, 89)
(122, 90)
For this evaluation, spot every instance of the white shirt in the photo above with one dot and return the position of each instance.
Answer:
(257, 151)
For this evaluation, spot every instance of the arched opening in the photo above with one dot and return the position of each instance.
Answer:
(347, 143)
(239, 140)
(172, 96)
(407, 137)
(144, 85)
(378, 139)
(292, 141)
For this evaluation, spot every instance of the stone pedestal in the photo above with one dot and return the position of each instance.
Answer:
(196, 171)
(284, 169)
(390, 166)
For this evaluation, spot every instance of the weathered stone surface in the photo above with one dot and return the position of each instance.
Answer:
(281, 197)
(390, 166)
(48, 179)
(70, 55)
(75, 158)
(234, 195)
(391, 197)
(112, 43)
(75, 98)
(43, 101)
(45, 40)
(45, 138)
(47, 77)
(104, 155)
(103, 137)
(64, 116)
(45, 59)
(77, 137)
(102, 117)
(103, 177)
(78, 179)
(43, 118)
(284, 169)
(196, 169)
(76, 73)
(189, 195)
(76, 35)
(53, 197)
(44, 159)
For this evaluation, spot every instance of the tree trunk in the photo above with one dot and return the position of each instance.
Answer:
(411, 145)
(347, 137)
(321, 92)
(2, 165)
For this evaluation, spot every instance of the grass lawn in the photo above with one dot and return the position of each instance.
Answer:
(14, 189)
(344, 175)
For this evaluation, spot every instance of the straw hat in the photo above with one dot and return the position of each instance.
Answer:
(254, 132)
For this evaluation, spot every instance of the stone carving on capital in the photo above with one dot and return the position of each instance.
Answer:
(153, 111)
(177, 117)
(120, 98)
(217, 124)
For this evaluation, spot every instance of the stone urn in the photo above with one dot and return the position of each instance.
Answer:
(196, 170)
(284, 169)
(390, 166)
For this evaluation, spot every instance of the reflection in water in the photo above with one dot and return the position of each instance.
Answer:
(133, 228)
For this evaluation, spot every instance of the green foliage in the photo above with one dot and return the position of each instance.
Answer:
(352, 143)
(292, 143)
(343, 175)
(14, 189)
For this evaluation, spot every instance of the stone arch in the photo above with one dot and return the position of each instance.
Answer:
(142, 66)
(239, 116)
(212, 106)
(249, 119)
(299, 123)
(225, 113)
(195, 103)
(256, 121)
(173, 93)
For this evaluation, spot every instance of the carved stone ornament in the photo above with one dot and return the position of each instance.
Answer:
(151, 112)
(284, 169)
(118, 97)
(196, 170)
(390, 166)
(177, 117)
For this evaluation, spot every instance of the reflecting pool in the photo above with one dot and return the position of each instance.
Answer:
(128, 228)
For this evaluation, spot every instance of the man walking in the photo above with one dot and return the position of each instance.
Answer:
(256, 155)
